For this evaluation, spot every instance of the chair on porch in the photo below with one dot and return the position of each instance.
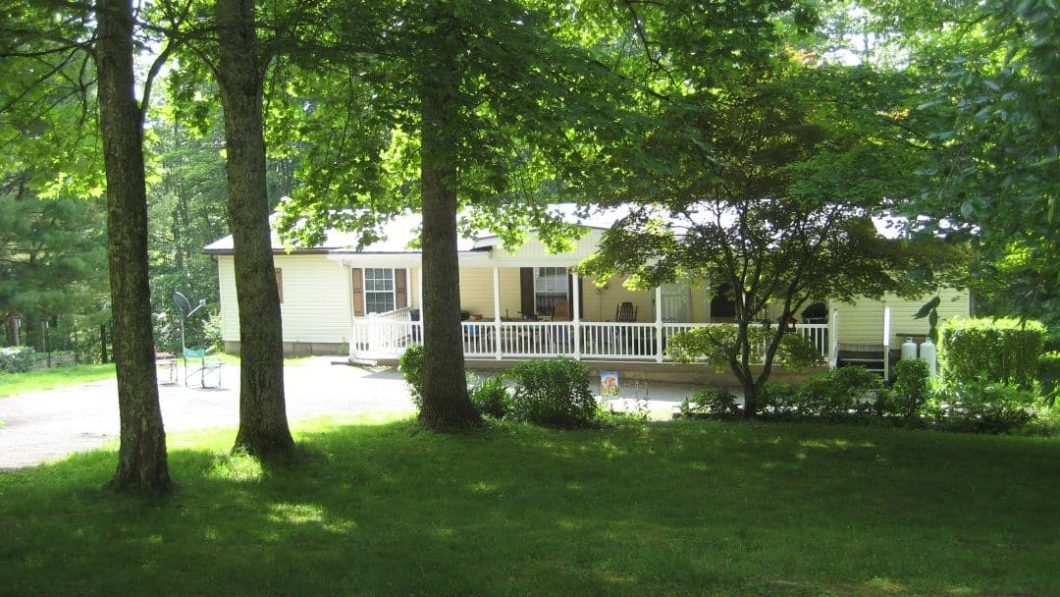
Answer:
(626, 313)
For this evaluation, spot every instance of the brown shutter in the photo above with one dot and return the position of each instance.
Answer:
(358, 292)
(279, 283)
(401, 289)
(526, 292)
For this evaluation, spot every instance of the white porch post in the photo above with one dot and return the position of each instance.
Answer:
(886, 343)
(497, 312)
(419, 299)
(833, 339)
(419, 290)
(408, 286)
(658, 325)
(576, 320)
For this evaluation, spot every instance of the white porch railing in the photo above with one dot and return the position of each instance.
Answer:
(387, 335)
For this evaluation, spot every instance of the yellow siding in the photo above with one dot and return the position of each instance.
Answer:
(862, 322)
(316, 299)
(476, 291)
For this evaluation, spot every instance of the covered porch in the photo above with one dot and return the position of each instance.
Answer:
(532, 304)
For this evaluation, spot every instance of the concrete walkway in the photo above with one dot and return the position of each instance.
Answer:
(43, 426)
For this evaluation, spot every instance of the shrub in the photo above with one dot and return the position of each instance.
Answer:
(17, 359)
(411, 366)
(777, 399)
(910, 391)
(490, 397)
(717, 401)
(1005, 351)
(213, 334)
(552, 392)
(1049, 376)
(835, 393)
(983, 407)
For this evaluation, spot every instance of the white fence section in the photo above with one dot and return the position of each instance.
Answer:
(387, 335)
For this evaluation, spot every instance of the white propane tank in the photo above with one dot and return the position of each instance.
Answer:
(928, 355)
(908, 350)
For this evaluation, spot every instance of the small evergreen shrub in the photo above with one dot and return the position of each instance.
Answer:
(411, 367)
(552, 392)
(835, 393)
(983, 407)
(17, 359)
(490, 397)
(911, 390)
(716, 401)
(1003, 351)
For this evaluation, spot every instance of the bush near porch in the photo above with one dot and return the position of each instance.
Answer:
(995, 380)
(688, 507)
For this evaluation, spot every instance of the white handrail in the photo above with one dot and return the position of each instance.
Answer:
(386, 336)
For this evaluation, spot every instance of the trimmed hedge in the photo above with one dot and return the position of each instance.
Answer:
(991, 350)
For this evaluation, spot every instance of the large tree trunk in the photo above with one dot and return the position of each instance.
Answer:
(445, 401)
(142, 454)
(263, 429)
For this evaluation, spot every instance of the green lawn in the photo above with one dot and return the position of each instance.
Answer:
(685, 507)
(57, 377)
(49, 379)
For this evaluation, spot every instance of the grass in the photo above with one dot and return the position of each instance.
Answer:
(57, 377)
(686, 507)
(49, 379)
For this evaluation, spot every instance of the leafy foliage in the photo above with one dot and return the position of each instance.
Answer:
(911, 389)
(716, 401)
(1049, 376)
(17, 359)
(991, 350)
(552, 392)
(838, 392)
(716, 344)
(982, 407)
(490, 397)
(411, 366)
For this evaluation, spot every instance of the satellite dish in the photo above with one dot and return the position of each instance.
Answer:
(182, 303)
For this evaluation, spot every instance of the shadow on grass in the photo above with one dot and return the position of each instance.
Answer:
(642, 508)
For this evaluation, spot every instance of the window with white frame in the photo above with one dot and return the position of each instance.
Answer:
(550, 287)
(379, 292)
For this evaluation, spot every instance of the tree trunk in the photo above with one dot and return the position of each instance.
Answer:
(263, 428)
(445, 401)
(142, 454)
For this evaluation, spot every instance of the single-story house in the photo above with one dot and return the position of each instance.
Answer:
(523, 304)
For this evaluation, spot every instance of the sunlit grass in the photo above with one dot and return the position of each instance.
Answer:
(41, 380)
(684, 508)
(50, 379)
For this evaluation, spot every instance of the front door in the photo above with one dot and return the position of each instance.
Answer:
(676, 303)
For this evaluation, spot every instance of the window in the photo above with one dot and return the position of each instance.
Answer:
(550, 287)
(379, 294)
(279, 283)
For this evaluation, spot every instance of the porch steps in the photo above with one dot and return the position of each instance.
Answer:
(868, 356)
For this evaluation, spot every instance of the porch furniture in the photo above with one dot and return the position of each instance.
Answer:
(166, 368)
(202, 365)
(626, 313)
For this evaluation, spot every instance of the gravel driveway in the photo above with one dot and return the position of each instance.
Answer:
(42, 426)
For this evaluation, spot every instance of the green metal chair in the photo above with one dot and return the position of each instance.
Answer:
(206, 367)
